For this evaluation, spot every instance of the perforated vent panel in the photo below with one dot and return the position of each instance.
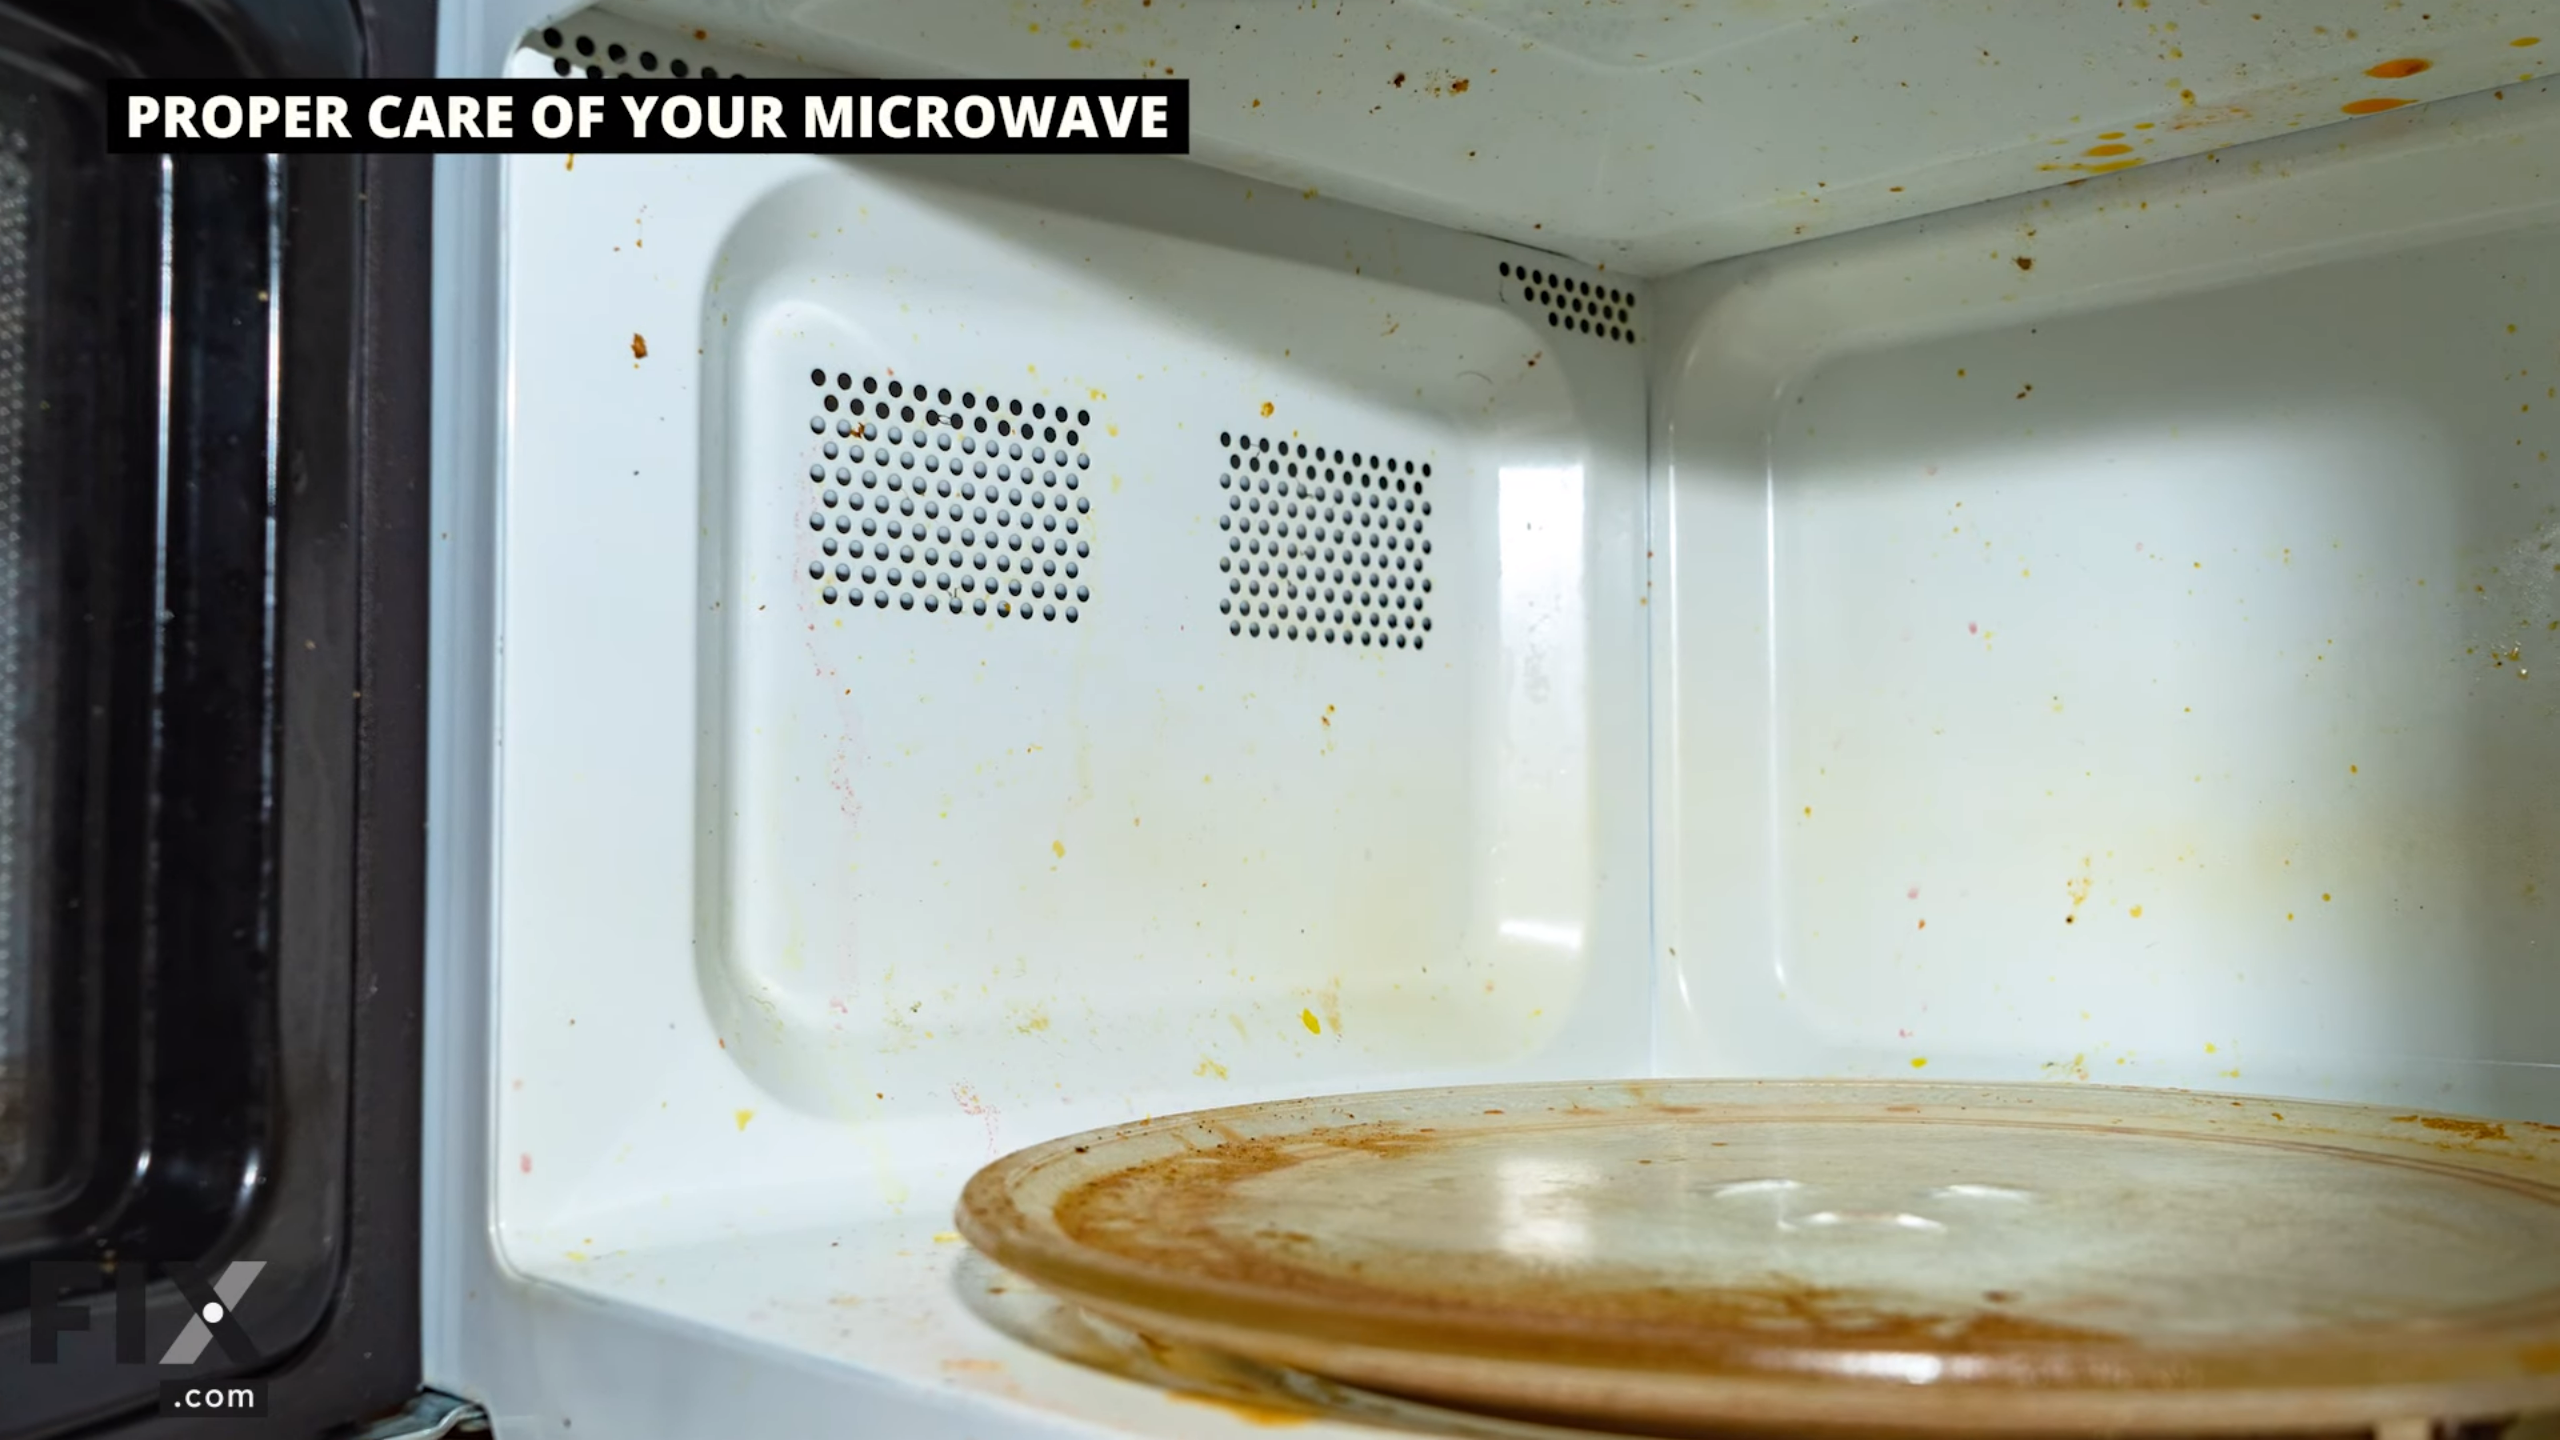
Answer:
(926, 499)
(1323, 545)
(580, 51)
(1579, 304)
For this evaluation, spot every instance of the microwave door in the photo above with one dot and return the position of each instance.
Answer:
(212, 616)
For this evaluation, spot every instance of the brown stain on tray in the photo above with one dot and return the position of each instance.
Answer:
(1165, 1213)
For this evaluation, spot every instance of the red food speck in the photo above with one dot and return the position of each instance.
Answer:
(525, 1163)
(1973, 627)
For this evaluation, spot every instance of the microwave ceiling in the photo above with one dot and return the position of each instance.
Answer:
(1651, 135)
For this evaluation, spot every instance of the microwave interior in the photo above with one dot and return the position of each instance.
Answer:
(1731, 540)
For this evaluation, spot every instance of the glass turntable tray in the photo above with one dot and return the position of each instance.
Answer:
(1923, 1257)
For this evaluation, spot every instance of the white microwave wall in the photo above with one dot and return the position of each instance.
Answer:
(2087, 636)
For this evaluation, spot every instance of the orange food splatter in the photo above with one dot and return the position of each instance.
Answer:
(2374, 106)
(2110, 150)
(2110, 134)
(2467, 1129)
(1266, 409)
(2526, 42)
(2400, 69)
(639, 347)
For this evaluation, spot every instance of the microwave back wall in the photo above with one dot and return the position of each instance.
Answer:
(1726, 540)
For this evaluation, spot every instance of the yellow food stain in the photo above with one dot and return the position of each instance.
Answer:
(2525, 42)
(2103, 150)
(572, 162)
(2351, 770)
(1919, 1062)
(1208, 1067)
(1058, 848)
(1808, 810)
(578, 1255)
(1308, 1019)
(1244, 1410)
(973, 1365)
(2210, 1048)
(743, 1116)
(946, 1237)
(1266, 409)
(2374, 106)
(2135, 912)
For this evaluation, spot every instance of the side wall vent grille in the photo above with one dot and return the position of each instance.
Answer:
(1322, 545)
(1576, 303)
(921, 498)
